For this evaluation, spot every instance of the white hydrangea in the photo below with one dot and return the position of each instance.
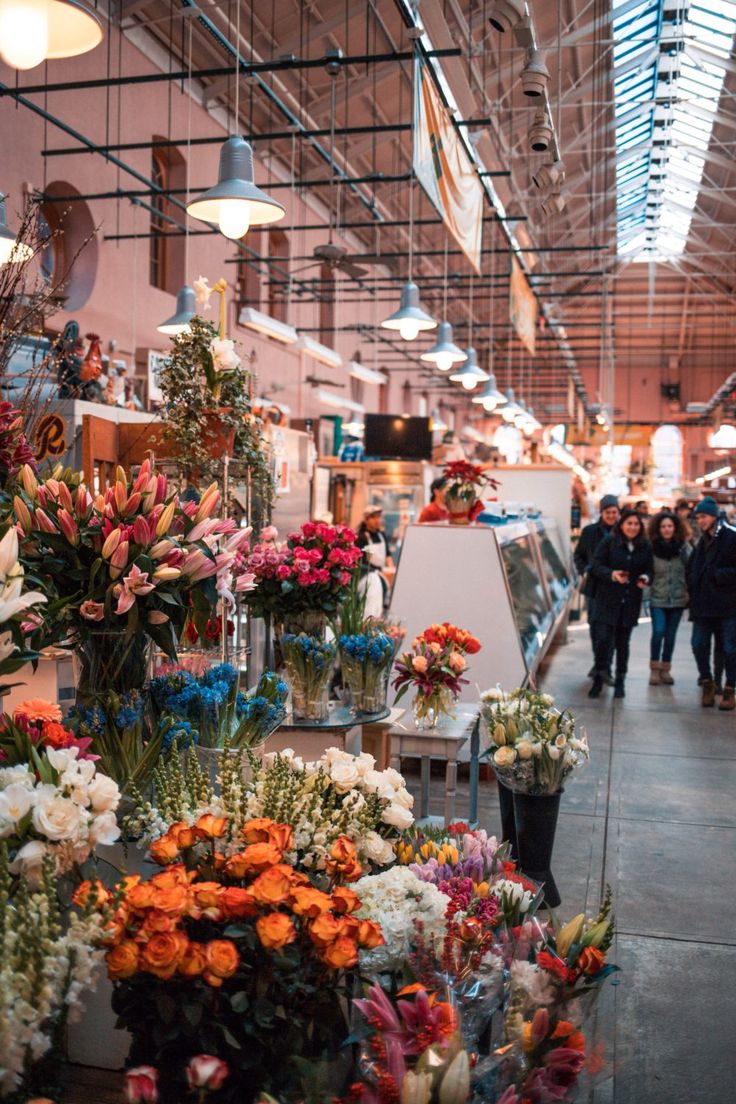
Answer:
(396, 899)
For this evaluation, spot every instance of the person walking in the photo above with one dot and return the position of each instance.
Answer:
(711, 582)
(622, 566)
(668, 596)
(590, 538)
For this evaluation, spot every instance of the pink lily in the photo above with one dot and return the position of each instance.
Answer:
(162, 486)
(65, 497)
(198, 566)
(237, 540)
(82, 502)
(52, 485)
(119, 559)
(135, 584)
(69, 527)
(202, 529)
(112, 540)
(141, 532)
(132, 503)
(246, 581)
(377, 1007)
(161, 549)
(44, 522)
(208, 503)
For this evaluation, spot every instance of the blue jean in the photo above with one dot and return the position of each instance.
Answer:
(665, 623)
(704, 630)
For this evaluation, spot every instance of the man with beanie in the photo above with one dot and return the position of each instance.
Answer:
(711, 581)
(590, 538)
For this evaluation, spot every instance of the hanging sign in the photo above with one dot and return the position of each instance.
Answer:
(523, 307)
(443, 167)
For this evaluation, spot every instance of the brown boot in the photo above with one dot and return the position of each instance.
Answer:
(665, 676)
(709, 693)
(655, 673)
(728, 701)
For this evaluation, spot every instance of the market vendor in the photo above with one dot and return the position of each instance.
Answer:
(378, 566)
(436, 509)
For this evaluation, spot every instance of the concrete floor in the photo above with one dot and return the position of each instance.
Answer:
(654, 815)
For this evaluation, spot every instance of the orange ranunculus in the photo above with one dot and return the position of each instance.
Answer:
(122, 961)
(272, 887)
(211, 827)
(37, 709)
(259, 856)
(236, 903)
(171, 899)
(370, 934)
(163, 952)
(309, 902)
(183, 835)
(591, 960)
(194, 961)
(55, 735)
(345, 900)
(340, 955)
(90, 892)
(275, 930)
(325, 929)
(257, 830)
(140, 897)
(157, 921)
(164, 850)
(204, 900)
(281, 836)
(222, 959)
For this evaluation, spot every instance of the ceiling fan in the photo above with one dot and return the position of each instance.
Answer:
(338, 258)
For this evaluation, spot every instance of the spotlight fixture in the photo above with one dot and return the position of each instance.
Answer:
(235, 203)
(444, 353)
(410, 318)
(490, 398)
(32, 31)
(554, 204)
(186, 308)
(506, 14)
(549, 175)
(470, 374)
(534, 75)
(540, 132)
(11, 250)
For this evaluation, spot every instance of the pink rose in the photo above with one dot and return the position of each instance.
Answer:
(207, 1072)
(92, 611)
(308, 530)
(283, 572)
(456, 661)
(270, 533)
(141, 1085)
(419, 664)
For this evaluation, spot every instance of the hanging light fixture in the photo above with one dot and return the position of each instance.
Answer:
(236, 202)
(11, 250)
(534, 75)
(504, 15)
(511, 408)
(490, 398)
(186, 308)
(32, 31)
(471, 373)
(410, 318)
(444, 353)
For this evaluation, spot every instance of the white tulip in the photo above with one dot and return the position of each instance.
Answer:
(15, 802)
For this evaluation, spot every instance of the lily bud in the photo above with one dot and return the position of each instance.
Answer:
(160, 549)
(162, 486)
(208, 503)
(119, 560)
(157, 617)
(456, 1082)
(44, 522)
(164, 522)
(69, 527)
(132, 504)
(29, 481)
(22, 514)
(65, 498)
(111, 543)
(165, 574)
(120, 493)
(416, 1088)
(570, 933)
(121, 476)
(82, 501)
(141, 535)
(595, 934)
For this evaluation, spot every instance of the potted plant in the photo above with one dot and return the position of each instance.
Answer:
(464, 483)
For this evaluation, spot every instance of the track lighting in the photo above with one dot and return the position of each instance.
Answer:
(32, 31)
(534, 75)
(553, 204)
(540, 132)
(506, 14)
(410, 318)
(444, 353)
(549, 175)
(236, 203)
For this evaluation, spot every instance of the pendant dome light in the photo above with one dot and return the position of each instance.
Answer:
(444, 353)
(411, 318)
(32, 31)
(471, 373)
(490, 398)
(236, 203)
(186, 308)
(511, 409)
(11, 250)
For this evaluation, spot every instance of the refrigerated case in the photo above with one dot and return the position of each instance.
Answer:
(400, 487)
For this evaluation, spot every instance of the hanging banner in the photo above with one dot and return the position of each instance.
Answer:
(523, 307)
(444, 168)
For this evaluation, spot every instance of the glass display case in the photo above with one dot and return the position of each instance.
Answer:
(532, 610)
(557, 577)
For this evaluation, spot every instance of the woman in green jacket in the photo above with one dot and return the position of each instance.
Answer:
(668, 596)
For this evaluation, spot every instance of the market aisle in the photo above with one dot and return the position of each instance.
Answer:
(654, 815)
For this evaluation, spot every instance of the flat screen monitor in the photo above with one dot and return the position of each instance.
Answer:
(391, 437)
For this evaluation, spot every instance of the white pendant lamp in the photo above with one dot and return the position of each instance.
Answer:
(511, 409)
(32, 31)
(470, 374)
(186, 308)
(235, 203)
(490, 398)
(11, 250)
(410, 319)
(444, 353)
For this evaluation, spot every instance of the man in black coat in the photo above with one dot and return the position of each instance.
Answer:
(589, 540)
(711, 581)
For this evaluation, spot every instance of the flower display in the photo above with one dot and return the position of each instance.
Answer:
(396, 899)
(434, 668)
(311, 570)
(308, 662)
(464, 484)
(365, 660)
(533, 746)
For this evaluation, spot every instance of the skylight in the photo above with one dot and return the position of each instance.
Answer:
(670, 61)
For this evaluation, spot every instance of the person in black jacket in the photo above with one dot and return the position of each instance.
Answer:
(711, 582)
(590, 538)
(622, 566)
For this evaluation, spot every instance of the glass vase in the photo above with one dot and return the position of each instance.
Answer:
(308, 666)
(367, 683)
(110, 661)
(429, 709)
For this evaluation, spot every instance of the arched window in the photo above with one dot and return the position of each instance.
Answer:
(278, 285)
(166, 250)
(69, 234)
(249, 273)
(667, 456)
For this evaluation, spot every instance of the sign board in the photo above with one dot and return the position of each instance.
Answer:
(444, 168)
(638, 436)
(523, 307)
(155, 363)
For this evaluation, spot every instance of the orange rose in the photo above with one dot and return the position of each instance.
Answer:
(257, 830)
(211, 827)
(176, 875)
(345, 900)
(164, 850)
(236, 904)
(309, 902)
(325, 929)
(343, 850)
(343, 860)
(340, 955)
(259, 856)
(122, 961)
(90, 893)
(222, 960)
(281, 836)
(370, 934)
(273, 886)
(194, 961)
(157, 921)
(183, 835)
(140, 897)
(163, 952)
(275, 931)
(173, 899)
(348, 872)
(204, 900)
(55, 735)
(591, 960)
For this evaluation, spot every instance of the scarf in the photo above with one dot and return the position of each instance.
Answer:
(666, 550)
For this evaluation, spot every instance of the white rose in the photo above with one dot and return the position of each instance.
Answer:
(15, 802)
(21, 774)
(392, 777)
(377, 849)
(336, 755)
(344, 776)
(104, 829)
(374, 782)
(365, 762)
(404, 798)
(397, 816)
(525, 749)
(29, 859)
(560, 741)
(57, 818)
(103, 793)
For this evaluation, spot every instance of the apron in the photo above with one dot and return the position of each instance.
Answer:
(373, 584)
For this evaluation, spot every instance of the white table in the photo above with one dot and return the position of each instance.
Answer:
(443, 743)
